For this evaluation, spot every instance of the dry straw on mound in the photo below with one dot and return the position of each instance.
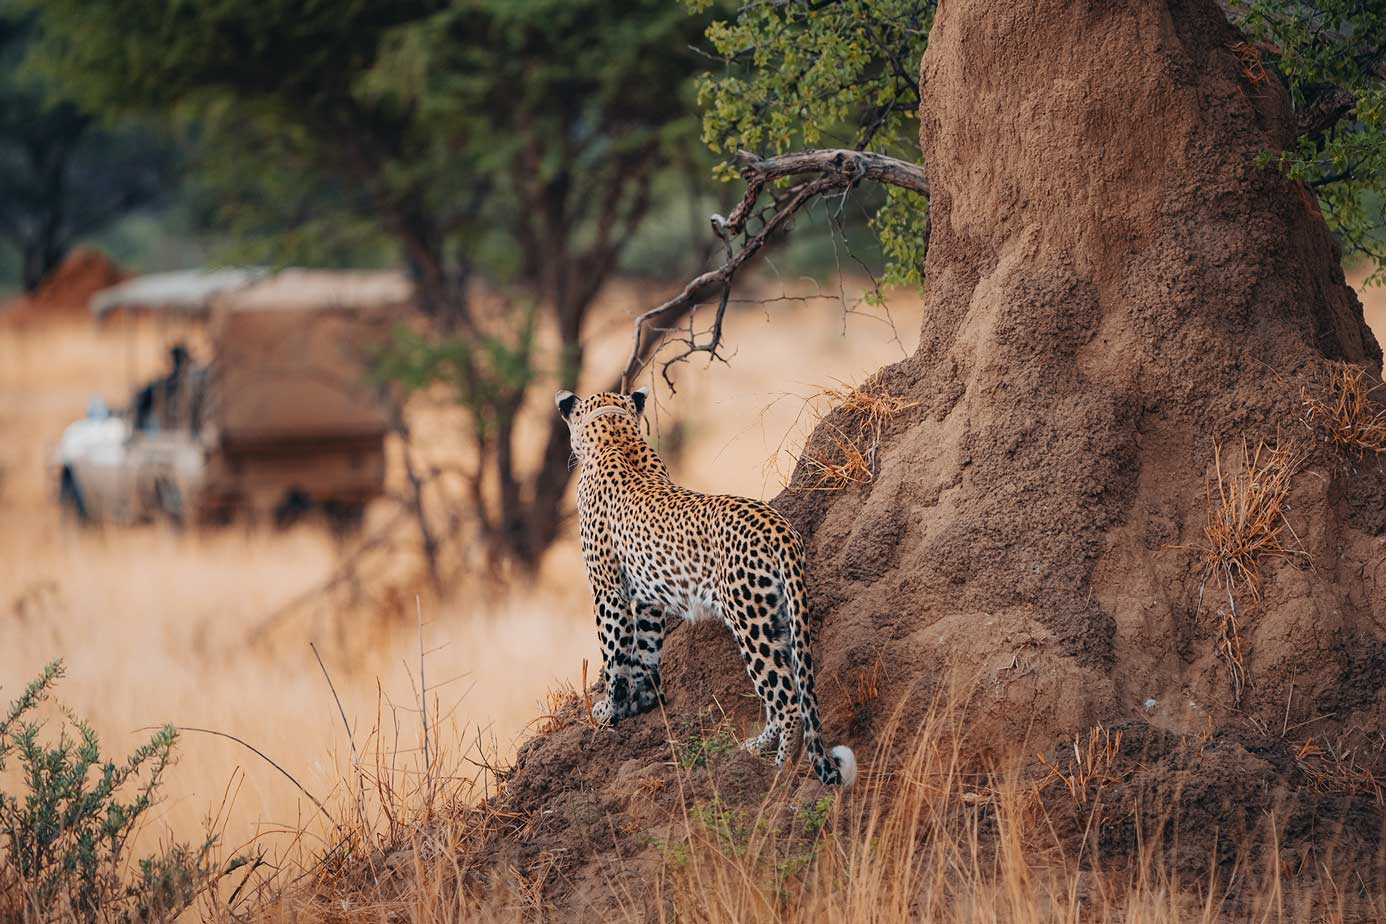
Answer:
(930, 833)
(1343, 412)
(852, 456)
(1246, 525)
(1246, 514)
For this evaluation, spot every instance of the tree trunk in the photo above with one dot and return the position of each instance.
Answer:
(46, 246)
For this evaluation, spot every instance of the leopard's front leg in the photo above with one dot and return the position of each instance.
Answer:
(645, 657)
(616, 633)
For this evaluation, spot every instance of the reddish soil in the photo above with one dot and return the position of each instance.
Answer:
(1115, 288)
(64, 294)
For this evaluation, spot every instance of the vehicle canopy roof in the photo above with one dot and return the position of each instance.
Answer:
(292, 355)
(291, 349)
(187, 293)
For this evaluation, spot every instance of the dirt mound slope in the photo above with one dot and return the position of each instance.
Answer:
(64, 294)
(1119, 295)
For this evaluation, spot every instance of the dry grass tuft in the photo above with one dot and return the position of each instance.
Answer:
(1340, 768)
(864, 688)
(1249, 57)
(557, 701)
(1347, 417)
(562, 702)
(852, 457)
(1246, 514)
(1094, 765)
(1246, 524)
(845, 465)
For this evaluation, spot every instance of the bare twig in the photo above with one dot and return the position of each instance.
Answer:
(423, 684)
(266, 758)
(355, 757)
(816, 172)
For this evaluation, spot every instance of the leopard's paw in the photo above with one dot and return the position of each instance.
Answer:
(603, 714)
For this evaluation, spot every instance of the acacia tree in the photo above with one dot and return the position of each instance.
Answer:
(795, 75)
(62, 175)
(519, 140)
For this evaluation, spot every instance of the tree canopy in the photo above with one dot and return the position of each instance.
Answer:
(519, 140)
(844, 73)
(64, 176)
(810, 74)
(1331, 56)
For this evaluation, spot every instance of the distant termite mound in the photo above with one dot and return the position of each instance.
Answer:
(63, 294)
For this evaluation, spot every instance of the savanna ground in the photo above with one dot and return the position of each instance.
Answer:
(156, 626)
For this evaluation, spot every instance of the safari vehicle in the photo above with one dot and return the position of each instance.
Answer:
(281, 421)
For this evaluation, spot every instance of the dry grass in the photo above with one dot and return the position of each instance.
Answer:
(563, 705)
(1249, 57)
(1343, 411)
(1246, 514)
(1246, 508)
(1095, 765)
(1343, 768)
(938, 839)
(557, 701)
(404, 836)
(930, 833)
(862, 689)
(852, 457)
(154, 626)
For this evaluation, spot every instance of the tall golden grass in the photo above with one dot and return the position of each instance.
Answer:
(930, 833)
(155, 626)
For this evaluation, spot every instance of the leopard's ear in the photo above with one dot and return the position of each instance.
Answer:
(566, 401)
(638, 397)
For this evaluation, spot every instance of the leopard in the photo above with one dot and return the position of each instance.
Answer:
(653, 548)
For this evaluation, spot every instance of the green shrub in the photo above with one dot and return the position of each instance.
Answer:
(65, 831)
(700, 751)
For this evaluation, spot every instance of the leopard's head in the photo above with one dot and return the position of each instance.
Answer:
(601, 419)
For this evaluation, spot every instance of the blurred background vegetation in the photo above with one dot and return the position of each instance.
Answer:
(336, 133)
(515, 156)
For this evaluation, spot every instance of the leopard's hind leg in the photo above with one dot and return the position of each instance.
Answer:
(764, 651)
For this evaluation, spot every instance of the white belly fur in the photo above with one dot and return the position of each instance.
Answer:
(700, 608)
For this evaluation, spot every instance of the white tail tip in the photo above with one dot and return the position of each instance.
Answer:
(846, 764)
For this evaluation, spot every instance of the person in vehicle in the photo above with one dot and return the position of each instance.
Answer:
(159, 405)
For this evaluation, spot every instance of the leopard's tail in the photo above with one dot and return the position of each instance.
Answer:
(840, 765)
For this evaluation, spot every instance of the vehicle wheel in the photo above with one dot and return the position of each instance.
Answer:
(70, 497)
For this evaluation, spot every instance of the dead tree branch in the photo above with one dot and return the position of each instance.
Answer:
(814, 173)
